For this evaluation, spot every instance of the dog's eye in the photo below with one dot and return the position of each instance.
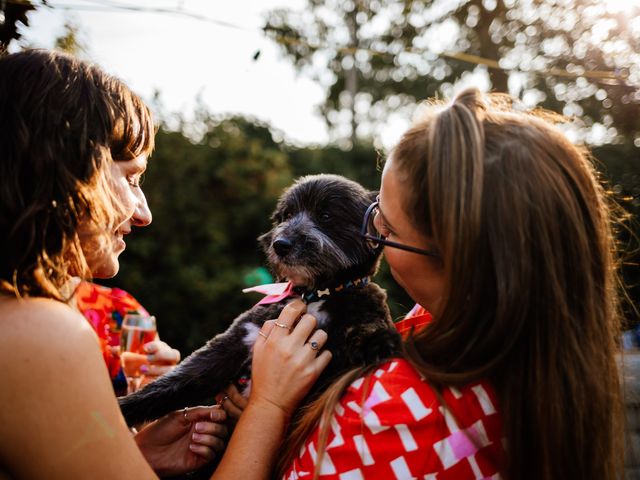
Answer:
(325, 217)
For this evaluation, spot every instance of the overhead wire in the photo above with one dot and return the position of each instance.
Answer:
(618, 76)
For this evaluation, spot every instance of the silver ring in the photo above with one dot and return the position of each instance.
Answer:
(184, 414)
(282, 325)
(262, 335)
(226, 397)
(314, 345)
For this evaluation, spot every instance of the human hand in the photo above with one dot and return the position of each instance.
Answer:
(287, 359)
(233, 402)
(184, 440)
(161, 359)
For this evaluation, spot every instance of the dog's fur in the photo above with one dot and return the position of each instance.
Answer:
(315, 243)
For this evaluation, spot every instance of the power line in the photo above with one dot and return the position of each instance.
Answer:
(600, 76)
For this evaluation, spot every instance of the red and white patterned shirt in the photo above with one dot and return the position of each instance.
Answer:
(391, 425)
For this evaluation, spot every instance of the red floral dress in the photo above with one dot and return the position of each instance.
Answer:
(392, 425)
(104, 308)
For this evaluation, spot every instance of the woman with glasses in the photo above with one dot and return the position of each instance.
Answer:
(496, 224)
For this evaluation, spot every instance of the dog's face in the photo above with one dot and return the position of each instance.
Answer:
(315, 237)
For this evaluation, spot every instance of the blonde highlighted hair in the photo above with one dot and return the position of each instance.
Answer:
(524, 229)
(62, 123)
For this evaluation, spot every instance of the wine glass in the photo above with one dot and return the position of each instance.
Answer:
(136, 330)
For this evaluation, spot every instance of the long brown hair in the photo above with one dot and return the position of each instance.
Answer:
(525, 233)
(62, 123)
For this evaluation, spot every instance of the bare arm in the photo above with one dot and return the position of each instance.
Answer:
(60, 418)
(284, 369)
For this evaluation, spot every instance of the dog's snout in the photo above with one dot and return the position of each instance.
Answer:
(282, 246)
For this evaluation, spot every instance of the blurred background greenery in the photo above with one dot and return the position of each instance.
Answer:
(213, 180)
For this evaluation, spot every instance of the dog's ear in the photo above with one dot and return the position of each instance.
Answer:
(265, 240)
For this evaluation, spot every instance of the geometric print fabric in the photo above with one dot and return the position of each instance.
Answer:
(392, 425)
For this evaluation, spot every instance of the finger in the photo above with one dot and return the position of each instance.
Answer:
(213, 413)
(156, 370)
(316, 341)
(164, 355)
(265, 331)
(233, 411)
(152, 347)
(202, 451)
(321, 361)
(211, 428)
(305, 326)
(212, 441)
(236, 397)
(288, 318)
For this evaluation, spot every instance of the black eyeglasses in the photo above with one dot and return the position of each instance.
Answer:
(371, 234)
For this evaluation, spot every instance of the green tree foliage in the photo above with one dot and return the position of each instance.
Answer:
(71, 39)
(376, 56)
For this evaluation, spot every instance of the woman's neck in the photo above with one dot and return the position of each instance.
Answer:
(68, 290)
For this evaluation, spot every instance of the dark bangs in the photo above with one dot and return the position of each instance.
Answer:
(133, 131)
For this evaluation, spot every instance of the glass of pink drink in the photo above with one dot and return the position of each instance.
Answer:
(136, 331)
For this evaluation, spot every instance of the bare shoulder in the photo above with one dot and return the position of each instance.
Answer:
(42, 342)
(34, 321)
(60, 407)
(40, 339)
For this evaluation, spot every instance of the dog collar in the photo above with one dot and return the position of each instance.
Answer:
(276, 292)
(309, 296)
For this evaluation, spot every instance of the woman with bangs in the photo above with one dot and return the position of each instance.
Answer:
(74, 144)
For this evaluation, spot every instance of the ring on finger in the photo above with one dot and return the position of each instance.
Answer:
(282, 325)
(184, 414)
(314, 345)
(226, 397)
(263, 335)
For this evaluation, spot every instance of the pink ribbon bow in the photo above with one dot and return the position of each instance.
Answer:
(274, 292)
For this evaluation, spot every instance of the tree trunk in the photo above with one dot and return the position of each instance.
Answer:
(499, 78)
(351, 75)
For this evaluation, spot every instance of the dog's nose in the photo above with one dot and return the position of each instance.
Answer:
(282, 246)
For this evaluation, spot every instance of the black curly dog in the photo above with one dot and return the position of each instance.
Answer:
(315, 243)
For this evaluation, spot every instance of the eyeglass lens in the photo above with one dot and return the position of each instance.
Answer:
(371, 228)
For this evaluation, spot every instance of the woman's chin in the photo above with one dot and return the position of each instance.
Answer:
(107, 269)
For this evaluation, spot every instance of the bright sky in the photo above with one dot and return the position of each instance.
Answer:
(185, 58)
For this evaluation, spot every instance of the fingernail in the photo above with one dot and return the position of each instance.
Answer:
(199, 427)
(193, 448)
(148, 348)
(144, 368)
(196, 437)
